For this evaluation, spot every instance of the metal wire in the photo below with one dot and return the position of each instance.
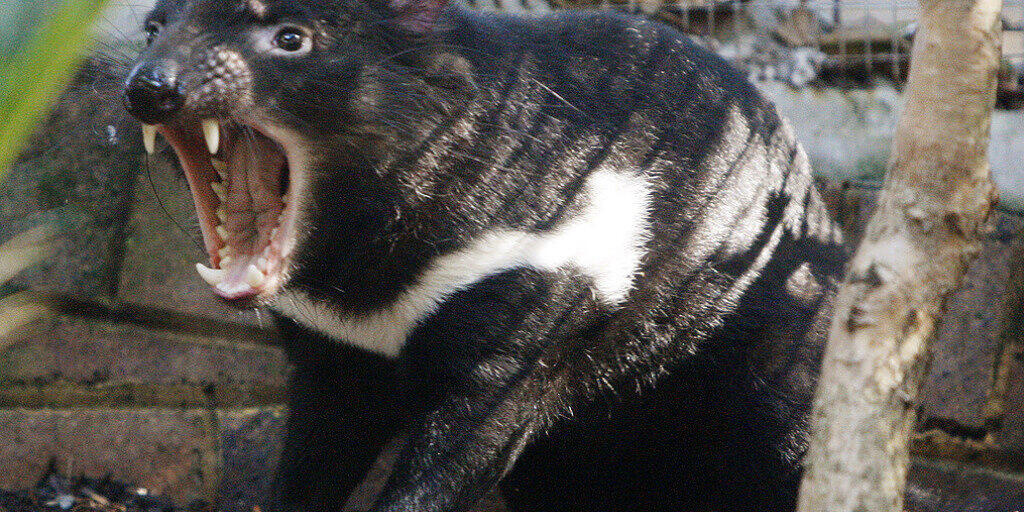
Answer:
(876, 185)
(714, 19)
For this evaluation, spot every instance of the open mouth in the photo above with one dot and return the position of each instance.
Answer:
(241, 181)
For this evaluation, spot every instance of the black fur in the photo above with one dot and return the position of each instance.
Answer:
(691, 394)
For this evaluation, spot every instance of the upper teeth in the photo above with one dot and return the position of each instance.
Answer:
(218, 188)
(220, 166)
(211, 132)
(149, 138)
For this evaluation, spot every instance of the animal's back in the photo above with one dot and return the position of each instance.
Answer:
(700, 199)
(731, 279)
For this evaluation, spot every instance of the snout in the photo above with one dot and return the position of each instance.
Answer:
(214, 83)
(153, 93)
(237, 165)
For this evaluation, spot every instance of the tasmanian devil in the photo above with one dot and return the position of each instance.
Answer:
(574, 256)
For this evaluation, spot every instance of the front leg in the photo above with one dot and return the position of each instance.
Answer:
(488, 366)
(340, 416)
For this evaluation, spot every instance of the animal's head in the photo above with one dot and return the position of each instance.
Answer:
(258, 96)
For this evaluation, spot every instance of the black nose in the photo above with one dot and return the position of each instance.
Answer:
(152, 94)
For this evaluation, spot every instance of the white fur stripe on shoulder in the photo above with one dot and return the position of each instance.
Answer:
(604, 241)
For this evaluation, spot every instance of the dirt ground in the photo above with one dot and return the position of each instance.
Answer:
(250, 452)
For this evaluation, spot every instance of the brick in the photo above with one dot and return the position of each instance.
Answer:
(957, 392)
(171, 452)
(228, 456)
(1011, 431)
(251, 445)
(251, 442)
(1010, 387)
(179, 453)
(851, 207)
(944, 487)
(95, 352)
(68, 361)
(936, 444)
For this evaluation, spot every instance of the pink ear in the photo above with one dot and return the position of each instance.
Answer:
(416, 16)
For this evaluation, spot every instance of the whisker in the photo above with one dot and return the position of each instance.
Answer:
(149, 175)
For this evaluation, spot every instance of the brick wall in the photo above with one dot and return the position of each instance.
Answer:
(147, 377)
(144, 375)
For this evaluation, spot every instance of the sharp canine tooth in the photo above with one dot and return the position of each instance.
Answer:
(149, 138)
(211, 132)
(222, 231)
(212, 276)
(253, 276)
(262, 262)
(222, 215)
(224, 252)
(220, 166)
(218, 188)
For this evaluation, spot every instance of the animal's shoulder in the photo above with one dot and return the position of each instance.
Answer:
(614, 59)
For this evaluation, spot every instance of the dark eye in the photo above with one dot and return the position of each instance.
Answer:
(152, 30)
(290, 39)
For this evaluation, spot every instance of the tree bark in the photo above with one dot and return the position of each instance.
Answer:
(936, 197)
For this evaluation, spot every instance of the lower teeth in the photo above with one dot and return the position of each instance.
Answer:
(253, 276)
(213, 276)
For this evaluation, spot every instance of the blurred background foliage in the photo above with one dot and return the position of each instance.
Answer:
(18, 18)
(41, 42)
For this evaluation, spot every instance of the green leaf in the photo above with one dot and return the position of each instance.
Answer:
(34, 77)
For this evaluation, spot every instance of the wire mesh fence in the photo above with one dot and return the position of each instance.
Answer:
(824, 42)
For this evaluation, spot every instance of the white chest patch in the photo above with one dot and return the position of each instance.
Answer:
(604, 241)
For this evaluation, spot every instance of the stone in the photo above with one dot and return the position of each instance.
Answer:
(957, 392)
(68, 361)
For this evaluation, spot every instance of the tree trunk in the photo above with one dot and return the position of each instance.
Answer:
(917, 245)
